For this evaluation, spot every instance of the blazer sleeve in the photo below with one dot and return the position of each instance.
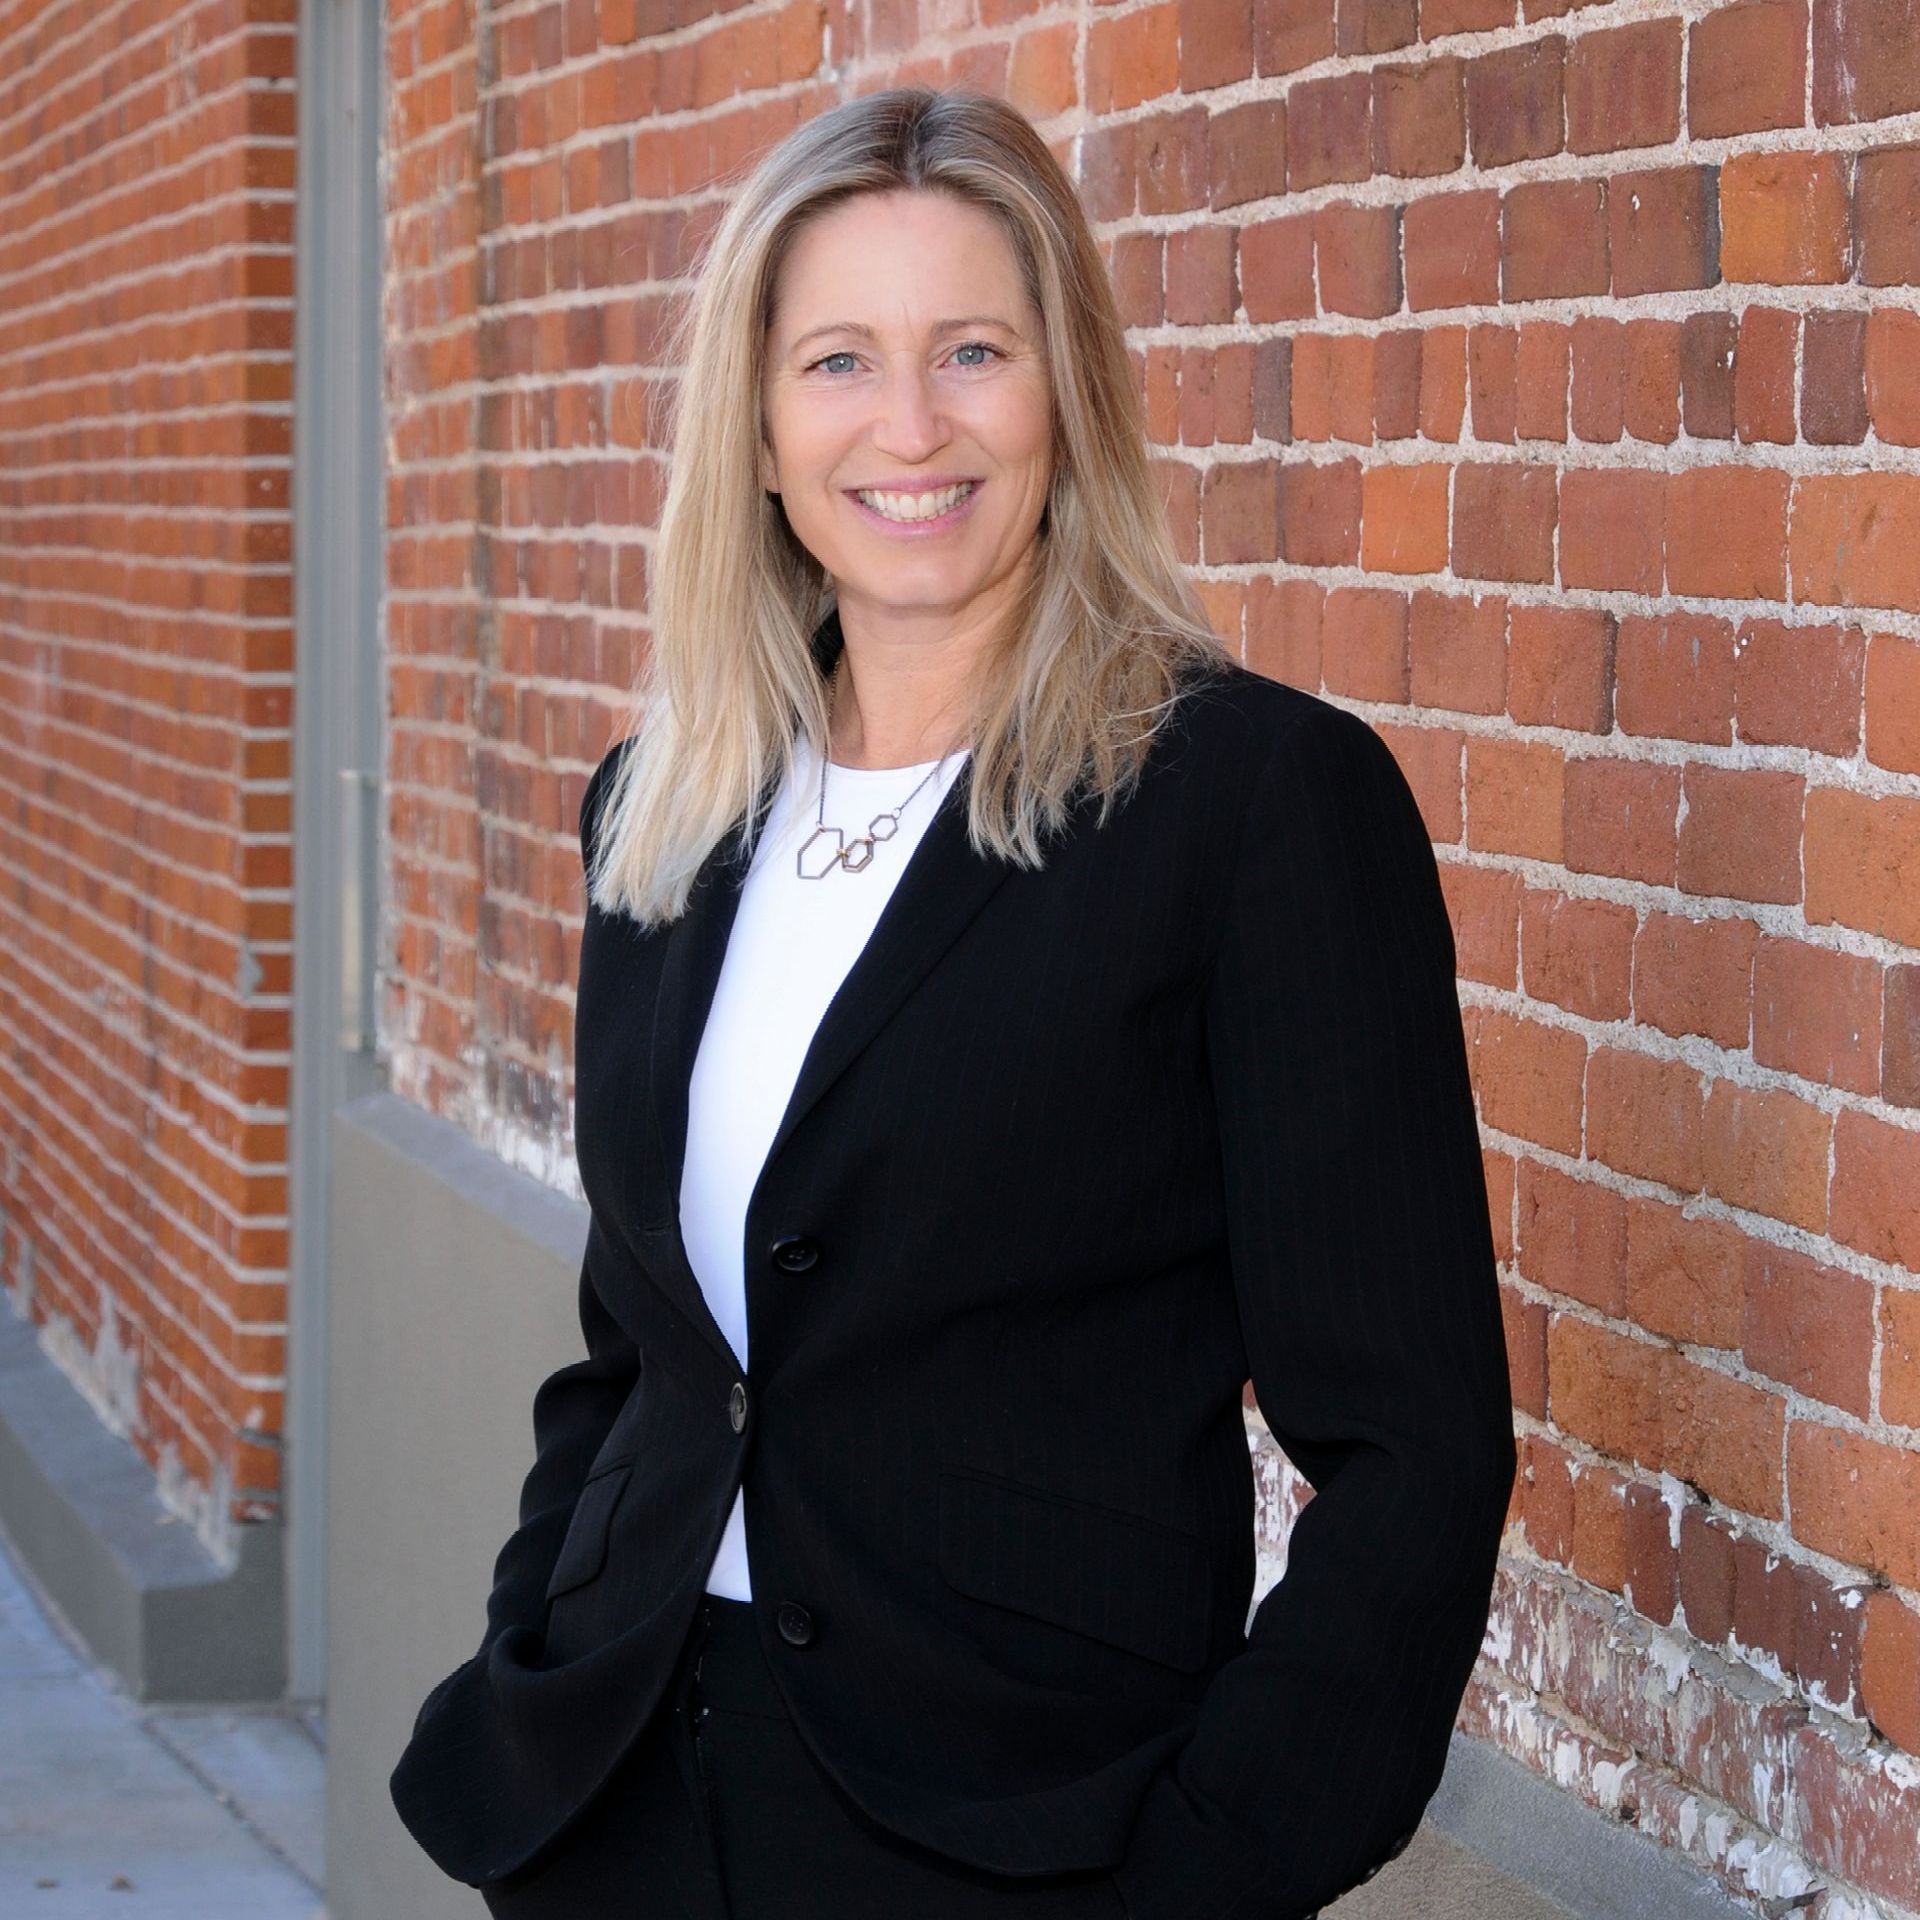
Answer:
(1364, 1270)
(574, 1409)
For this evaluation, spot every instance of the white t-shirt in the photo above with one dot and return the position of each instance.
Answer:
(791, 944)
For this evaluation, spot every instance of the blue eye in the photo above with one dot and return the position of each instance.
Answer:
(846, 353)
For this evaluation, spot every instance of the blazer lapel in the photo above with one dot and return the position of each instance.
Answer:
(944, 885)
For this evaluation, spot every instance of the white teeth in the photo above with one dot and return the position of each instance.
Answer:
(917, 506)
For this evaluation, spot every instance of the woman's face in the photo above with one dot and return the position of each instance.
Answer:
(904, 355)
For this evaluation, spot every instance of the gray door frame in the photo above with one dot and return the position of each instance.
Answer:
(339, 493)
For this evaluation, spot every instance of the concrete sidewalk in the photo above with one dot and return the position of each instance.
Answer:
(110, 1810)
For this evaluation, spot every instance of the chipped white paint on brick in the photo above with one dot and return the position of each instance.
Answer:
(1843, 1905)
(1620, 1713)
(206, 1506)
(1671, 1659)
(106, 1375)
(1675, 1498)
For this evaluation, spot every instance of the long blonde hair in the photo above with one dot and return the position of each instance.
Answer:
(1108, 618)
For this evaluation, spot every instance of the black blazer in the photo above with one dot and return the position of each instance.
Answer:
(1073, 1154)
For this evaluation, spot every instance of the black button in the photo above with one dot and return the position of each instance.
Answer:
(795, 1623)
(737, 1405)
(795, 1253)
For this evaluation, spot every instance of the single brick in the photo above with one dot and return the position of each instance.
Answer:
(1283, 629)
(1491, 377)
(1543, 371)
(1727, 533)
(1329, 130)
(1833, 393)
(1890, 1667)
(1404, 518)
(1553, 240)
(1396, 384)
(1320, 513)
(1171, 151)
(1358, 253)
(1215, 43)
(1876, 1162)
(1623, 87)
(1273, 389)
(1453, 250)
(1598, 411)
(1503, 522)
(1740, 838)
(1514, 105)
(1291, 34)
(1363, 643)
(1706, 375)
(1893, 375)
(1200, 283)
(1307, 392)
(1239, 513)
(1863, 60)
(1457, 649)
(1247, 152)
(1652, 399)
(1807, 1323)
(1137, 269)
(1664, 229)
(1375, 26)
(1133, 58)
(1854, 1497)
(1853, 545)
(1887, 213)
(1560, 668)
(1419, 118)
(1673, 673)
(1747, 69)
(1799, 686)
(1275, 262)
(1763, 375)
(1443, 382)
(1783, 218)
(1438, 18)
(1706, 1574)
(1109, 170)
(1893, 725)
(1610, 529)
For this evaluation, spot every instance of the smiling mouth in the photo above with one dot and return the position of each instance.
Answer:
(908, 509)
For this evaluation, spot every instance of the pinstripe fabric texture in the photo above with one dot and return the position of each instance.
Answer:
(1072, 1155)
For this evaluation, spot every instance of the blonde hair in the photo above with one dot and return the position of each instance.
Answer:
(1107, 620)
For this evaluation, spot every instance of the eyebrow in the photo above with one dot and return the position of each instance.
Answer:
(861, 332)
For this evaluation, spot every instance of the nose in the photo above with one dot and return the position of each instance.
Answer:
(907, 414)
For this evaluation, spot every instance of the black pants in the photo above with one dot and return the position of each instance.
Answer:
(718, 1812)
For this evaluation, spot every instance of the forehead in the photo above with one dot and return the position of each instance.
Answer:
(913, 258)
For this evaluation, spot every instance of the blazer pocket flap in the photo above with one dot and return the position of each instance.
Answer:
(1135, 1583)
(584, 1550)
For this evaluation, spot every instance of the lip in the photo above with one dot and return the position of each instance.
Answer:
(917, 529)
(924, 484)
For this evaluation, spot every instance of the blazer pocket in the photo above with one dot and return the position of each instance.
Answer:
(584, 1551)
(1135, 1583)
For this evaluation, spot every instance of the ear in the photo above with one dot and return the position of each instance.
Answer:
(769, 474)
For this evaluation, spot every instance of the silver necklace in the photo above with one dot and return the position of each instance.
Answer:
(855, 854)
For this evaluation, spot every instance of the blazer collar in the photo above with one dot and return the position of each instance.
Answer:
(944, 885)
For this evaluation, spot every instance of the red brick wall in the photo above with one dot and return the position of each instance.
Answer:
(146, 229)
(1540, 384)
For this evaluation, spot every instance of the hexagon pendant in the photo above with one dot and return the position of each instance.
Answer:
(832, 858)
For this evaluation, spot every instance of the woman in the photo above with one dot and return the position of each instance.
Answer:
(1006, 1026)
